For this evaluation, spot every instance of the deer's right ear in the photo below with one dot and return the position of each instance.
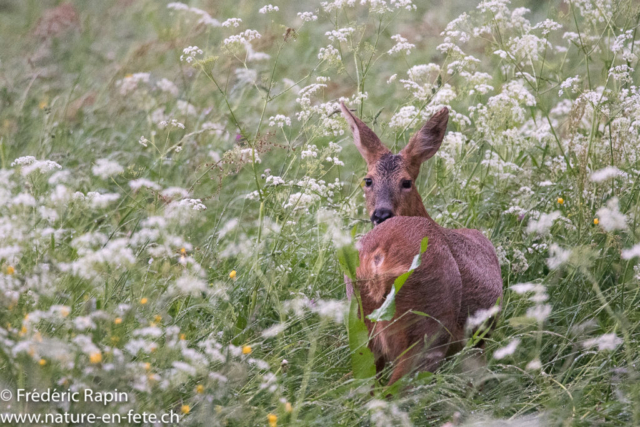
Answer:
(367, 142)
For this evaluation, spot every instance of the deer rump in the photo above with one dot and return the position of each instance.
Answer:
(458, 275)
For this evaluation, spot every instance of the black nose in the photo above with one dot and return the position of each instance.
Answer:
(381, 215)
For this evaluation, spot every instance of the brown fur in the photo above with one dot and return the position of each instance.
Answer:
(459, 274)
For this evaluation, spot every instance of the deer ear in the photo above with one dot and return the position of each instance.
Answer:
(367, 142)
(426, 142)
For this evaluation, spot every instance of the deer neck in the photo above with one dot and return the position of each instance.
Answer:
(416, 207)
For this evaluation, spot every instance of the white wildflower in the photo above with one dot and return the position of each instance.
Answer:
(105, 168)
(136, 184)
(569, 84)
(98, 200)
(242, 39)
(558, 256)
(539, 312)
(275, 180)
(610, 217)
(274, 330)
(235, 22)
(603, 342)
(166, 85)
(534, 365)
(632, 252)
(189, 53)
(329, 53)
(307, 16)
(507, 350)
(401, 45)
(481, 316)
(330, 309)
(340, 34)
(268, 9)
(186, 109)
(543, 224)
(248, 155)
(606, 173)
(279, 120)
(188, 285)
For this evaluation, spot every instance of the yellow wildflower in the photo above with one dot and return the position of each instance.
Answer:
(560, 201)
(199, 389)
(233, 274)
(117, 320)
(42, 362)
(246, 349)
(596, 221)
(185, 409)
(10, 270)
(273, 420)
(144, 300)
(95, 357)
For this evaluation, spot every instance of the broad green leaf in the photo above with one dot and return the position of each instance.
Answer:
(362, 360)
(388, 308)
(349, 258)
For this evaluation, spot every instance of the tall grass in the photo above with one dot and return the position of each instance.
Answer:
(175, 186)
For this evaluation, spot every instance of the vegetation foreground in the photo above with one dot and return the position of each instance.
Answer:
(180, 200)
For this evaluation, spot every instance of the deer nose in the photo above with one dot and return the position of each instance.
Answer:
(381, 215)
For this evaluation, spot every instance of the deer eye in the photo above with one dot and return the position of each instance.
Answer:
(406, 183)
(368, 182)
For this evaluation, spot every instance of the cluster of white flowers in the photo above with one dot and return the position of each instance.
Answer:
(243, 38)
(130, 82)
(173, 123)
(105, 168)
(205, 18)
(570, 84)
(340, 35)
(607, 173)
(507, 350)
(540, 311)
(249, 155)
(268, 9)
(402, 45)
(329, 53)
(166, 85)
(29, 164)
(603, 342)
(543, 224)
(139, 183)
(189, 53)
(307, 16)
(610, 217)
(309, 151)
(232, 22)
(279, 120)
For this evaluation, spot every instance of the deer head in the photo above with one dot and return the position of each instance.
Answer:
(389, 185)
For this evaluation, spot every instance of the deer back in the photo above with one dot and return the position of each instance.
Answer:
(434, 288)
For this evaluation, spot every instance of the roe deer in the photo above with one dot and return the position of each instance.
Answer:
(459, 273)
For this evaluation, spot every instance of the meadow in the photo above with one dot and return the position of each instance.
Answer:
(180, 199)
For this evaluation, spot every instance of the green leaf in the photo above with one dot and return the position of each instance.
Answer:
(349, 260)
(362, 360)
(388, 308)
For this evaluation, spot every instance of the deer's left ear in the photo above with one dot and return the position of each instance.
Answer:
(424, 144)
